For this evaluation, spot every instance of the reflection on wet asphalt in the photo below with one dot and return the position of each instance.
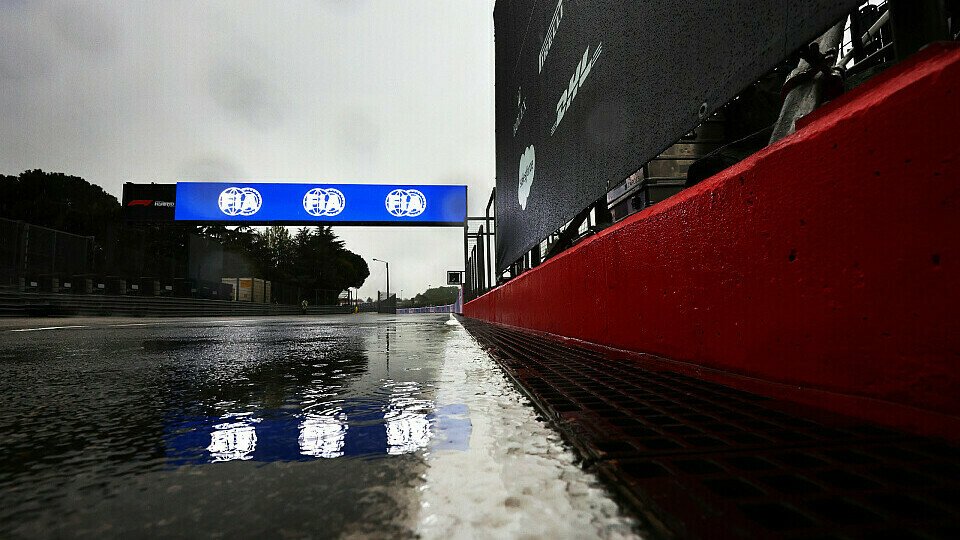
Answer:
(282, 426)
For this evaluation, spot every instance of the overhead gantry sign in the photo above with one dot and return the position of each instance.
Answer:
(263, 203)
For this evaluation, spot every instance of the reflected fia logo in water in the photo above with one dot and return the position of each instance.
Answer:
(323, 435)
(232, 441)
(404, 422)
(406, 419)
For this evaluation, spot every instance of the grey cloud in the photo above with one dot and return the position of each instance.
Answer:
(210, 167)
(84, 27)
(20, 56)
(24, 50)
(36, 39)
(374, 91)
(243, 93)
(358, 136)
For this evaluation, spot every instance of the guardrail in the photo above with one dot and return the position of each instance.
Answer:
(449, 308)
(20, 304)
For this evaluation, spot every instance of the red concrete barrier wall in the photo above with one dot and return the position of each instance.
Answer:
(825, 268)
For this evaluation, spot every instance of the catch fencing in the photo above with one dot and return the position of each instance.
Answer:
(30, 250)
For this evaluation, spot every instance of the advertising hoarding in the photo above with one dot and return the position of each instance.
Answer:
(587, 92)
(148, 202)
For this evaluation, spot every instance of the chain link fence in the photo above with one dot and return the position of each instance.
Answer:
(30, 252)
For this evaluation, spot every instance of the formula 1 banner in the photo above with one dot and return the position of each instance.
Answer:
(332, 204)
(148, 202)
(589, 91)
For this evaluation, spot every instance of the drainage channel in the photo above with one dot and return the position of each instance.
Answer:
(701, 460)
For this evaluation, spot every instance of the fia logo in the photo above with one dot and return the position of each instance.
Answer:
(320, 202)
(240, 201)
(405, 203)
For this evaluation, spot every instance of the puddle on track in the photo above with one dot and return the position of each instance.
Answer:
(333, 426)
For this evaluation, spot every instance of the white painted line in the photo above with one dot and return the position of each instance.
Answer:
(47, 328)
(222, 321)
(130, 324)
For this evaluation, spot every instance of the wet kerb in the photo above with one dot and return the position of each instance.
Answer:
(701, 460)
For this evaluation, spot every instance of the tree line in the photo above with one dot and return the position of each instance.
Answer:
(436, 296)
(311, 263)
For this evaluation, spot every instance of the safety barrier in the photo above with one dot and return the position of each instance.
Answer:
(449, 308)
(18, 304)
(822, 269)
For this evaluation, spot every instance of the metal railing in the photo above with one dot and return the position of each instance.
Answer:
(26, 304)
(449, 308)
(479, 248)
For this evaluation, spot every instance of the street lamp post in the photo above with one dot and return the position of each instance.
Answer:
(388, 276)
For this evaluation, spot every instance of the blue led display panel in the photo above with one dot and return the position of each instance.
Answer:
(345, 204)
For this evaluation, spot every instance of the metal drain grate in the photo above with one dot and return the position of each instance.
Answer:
(701, 459)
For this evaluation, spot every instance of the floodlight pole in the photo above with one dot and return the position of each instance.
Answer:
(388, 276)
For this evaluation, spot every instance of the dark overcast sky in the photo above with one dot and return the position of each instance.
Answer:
(339, 90)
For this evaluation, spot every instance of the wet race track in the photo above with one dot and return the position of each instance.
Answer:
(360, 425)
